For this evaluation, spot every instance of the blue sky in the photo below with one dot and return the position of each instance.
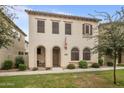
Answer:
(79, 10)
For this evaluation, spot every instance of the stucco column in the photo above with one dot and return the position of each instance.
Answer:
(64, 58)
(62, 61)
(48, 59)
(94, 57)
(80, 55)
(32, 58)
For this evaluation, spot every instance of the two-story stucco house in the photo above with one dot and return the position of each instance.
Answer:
(17, 47)
(57, 40)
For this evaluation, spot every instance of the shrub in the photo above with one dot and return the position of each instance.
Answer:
(34, 68)
(121, 64)
(71, 66)
(22, 67)
(95, 65)
(83, 64)
(19, 60)
(7, 64)
(109, 63)
(100, 61)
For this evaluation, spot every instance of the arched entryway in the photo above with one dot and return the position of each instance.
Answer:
(40, 56)
(56, 57)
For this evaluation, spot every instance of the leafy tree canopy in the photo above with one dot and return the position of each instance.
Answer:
(111, 35)
(6, 26)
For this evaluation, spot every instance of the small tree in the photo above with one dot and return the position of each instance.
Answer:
(6, 26)
(111, 36)
(19, 60)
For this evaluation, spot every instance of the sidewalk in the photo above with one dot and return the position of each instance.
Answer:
(28, 72)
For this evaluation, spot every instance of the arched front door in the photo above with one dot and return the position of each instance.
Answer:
(41, 56)
(56, 57)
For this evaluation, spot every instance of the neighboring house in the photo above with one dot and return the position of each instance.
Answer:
(57, 40)
(18, 46)
(108, 56)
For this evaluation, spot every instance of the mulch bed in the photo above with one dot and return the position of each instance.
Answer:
(10, 70)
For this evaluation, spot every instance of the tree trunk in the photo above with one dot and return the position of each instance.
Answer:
(119, 56)
(115, 68)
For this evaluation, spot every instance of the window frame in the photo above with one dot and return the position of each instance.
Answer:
(86, 54)
(74, 54)
(57, 28)
(39, 26)
(68, 32)
(84, 29)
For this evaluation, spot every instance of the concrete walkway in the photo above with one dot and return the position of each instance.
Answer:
(28, 72)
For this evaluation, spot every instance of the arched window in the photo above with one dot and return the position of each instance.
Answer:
(86, 54)
(75, 54)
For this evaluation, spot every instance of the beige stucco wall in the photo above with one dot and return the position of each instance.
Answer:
(49, 40)
(26, 46)
(13, 50)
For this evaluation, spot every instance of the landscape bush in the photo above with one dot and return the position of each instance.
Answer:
(34, 68)
(7, 64)
(100, 61)
(71, 66)
(95, 65)
(19, 60)
(83, 64)
(120, 64)
(109, 63)
(22, 67)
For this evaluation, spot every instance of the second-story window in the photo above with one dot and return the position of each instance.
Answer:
(40, 26)
(67, 28)
(87, 29)
(55, 27)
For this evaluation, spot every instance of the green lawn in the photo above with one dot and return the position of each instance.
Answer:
(69, 80)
